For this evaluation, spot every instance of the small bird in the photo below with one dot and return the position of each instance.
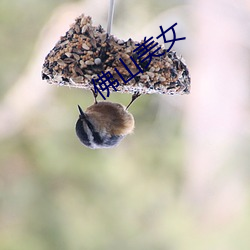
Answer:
(104, 124)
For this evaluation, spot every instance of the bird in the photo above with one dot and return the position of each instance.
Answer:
(104, 124)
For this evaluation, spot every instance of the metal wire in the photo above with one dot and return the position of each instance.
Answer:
(110, 16)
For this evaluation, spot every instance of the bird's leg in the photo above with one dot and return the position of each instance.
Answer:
(134, 97)
(95, 94)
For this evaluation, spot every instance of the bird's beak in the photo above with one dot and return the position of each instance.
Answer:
(82, 115)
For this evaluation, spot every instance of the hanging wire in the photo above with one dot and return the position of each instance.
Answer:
(110, 16)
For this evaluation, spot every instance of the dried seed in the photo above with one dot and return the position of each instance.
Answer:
(98, 61)
(68, 54)
(81, 62)
(125, 56)
(70, 32)
(69, 60)
(61, 62)
(78, 70)
(77, 29)
(93, 42)
(64, 43)
(145, 77)
(88, 62)
(83, 21)
(77, 57)
(89, 72)
(77, 79)
(103, 37)
(84, 29)
(85, 46)
(91, 33)
(89, 77)
(120, 42)
(151, 74)
(78, 51)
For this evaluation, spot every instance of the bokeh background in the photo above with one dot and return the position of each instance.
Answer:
(180, 182)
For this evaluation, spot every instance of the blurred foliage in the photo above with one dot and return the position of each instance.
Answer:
(20, 24)
(56, 194)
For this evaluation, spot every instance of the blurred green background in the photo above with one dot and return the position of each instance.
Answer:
(181, 181)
